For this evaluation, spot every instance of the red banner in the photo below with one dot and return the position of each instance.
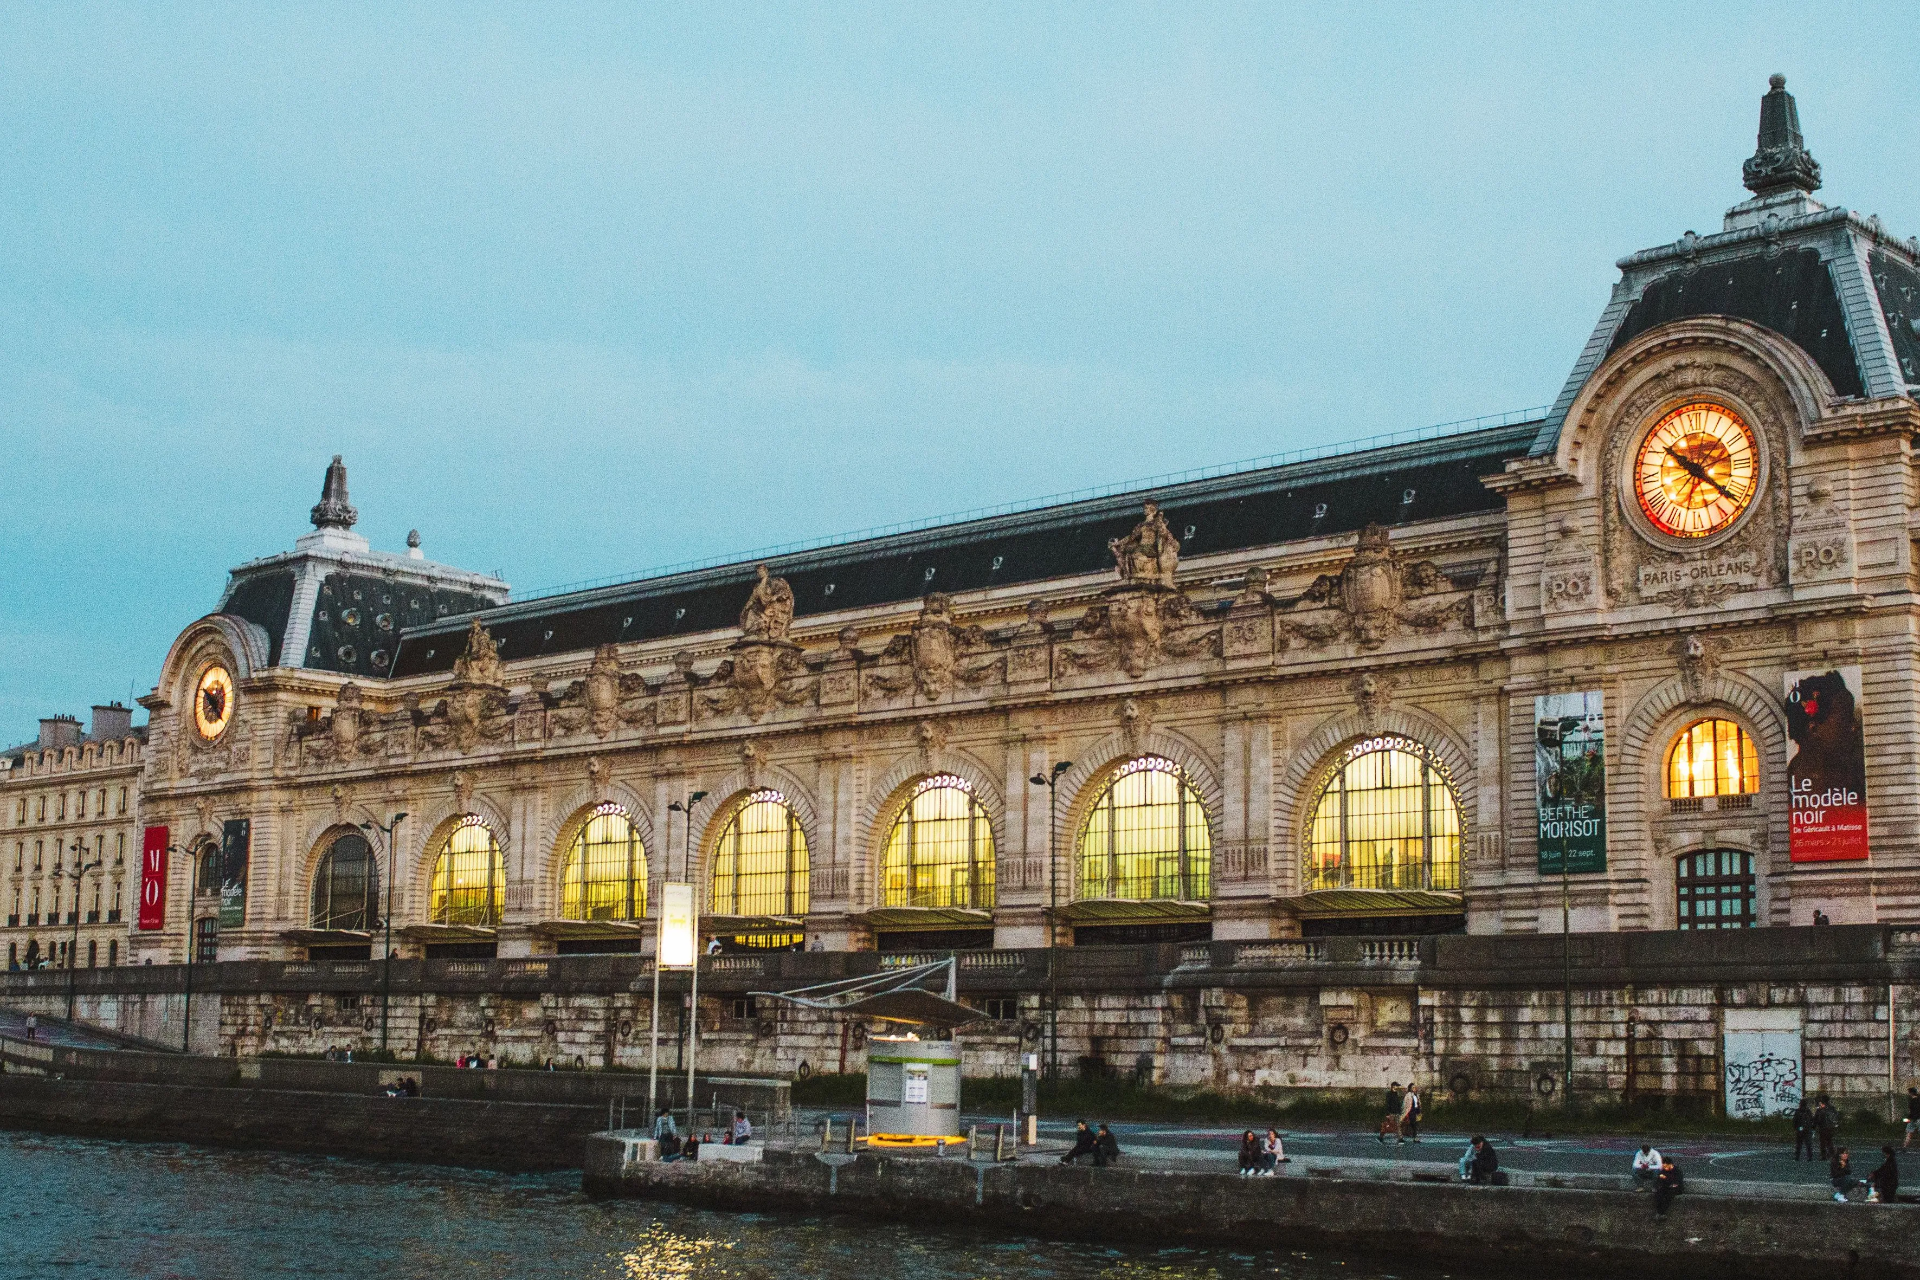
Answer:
(1827, 772)
(153, 879)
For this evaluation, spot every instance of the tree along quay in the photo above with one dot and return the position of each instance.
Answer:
(1490, 1228)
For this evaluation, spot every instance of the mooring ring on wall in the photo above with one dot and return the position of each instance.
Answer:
(626, 1028)
(1217, 1033)
(1337, 1033)
(859, 1035)
(1460, 1085)
(1031, 1033)
(1546, 1084)
(432, 1026)
(550, 1027)
(802, 1071)
(369, 1022)
(486, 1028)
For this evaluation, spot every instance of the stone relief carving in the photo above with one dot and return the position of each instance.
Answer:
(1364, 601)
(1372, 694)
(1570, 573)
(940, 651)
(1697, 664)
(765, 667)
(1821, 549)
(603, 699)
(479, 663)
(596, 775)
(1136, 723)
(462, 791)
(1145, 617)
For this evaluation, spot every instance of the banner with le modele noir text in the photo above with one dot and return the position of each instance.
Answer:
(1827, 767)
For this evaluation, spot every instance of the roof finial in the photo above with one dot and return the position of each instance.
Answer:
(1780, 162)
(333, 510)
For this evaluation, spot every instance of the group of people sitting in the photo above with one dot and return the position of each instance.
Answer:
(667, 1134)
(1883, 1184)
(1101, 1145)
(1261, 1157)
(477, 1060)
(404, 1087)
(1480, 1164)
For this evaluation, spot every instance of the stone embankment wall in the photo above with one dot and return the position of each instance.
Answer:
(1492, 1230)
(1480, 1015)
(487, 1135)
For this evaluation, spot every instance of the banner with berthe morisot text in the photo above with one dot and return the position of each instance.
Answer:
(1827, 770)
(1570, 782)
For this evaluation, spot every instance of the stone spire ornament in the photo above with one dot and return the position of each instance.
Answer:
(1780, 162)
(333, 510)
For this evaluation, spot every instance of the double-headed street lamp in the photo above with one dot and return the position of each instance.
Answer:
(685, 810)
(73, 948)
(1050, 781)
(386, 967)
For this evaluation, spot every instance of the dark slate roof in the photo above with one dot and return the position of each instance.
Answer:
(1401, 484)
(358, 617)
(1789, 293)
(265, 599)
(1898, 285)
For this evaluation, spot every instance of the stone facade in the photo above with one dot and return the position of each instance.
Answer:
(70, 840)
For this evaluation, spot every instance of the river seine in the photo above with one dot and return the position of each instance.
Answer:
(73, 1207)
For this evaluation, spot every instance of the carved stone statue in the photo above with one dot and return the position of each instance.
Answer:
(1369, 593)
(1149, 555)
(480, 664)
(769, 609)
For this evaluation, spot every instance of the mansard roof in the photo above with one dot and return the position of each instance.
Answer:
(1833, 282)
(1394, 485)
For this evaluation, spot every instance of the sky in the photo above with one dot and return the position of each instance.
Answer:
(580, 291)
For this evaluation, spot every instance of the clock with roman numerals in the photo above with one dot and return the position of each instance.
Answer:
(1696, 471)
(213, 702)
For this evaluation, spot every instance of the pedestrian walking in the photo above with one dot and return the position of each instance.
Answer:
(1826, 1122)
(1803, 1129)
(1390, 1124)
(33, 1024)
(1410, 1114)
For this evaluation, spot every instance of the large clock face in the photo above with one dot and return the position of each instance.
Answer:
(213, 702)
(1697, 470)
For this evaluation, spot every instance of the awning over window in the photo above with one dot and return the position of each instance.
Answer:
(1132, 911)
(901, 918)
(710, 925)
(1372, 902)
(586, 930)
(327, 937)
(449, 933)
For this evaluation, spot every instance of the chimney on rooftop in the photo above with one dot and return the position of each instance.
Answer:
(112, 721)
(59, 731)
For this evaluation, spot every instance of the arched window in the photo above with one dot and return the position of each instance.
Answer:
(940, 851)
(605, 876)
(469, 877)
(1387, 818)
(1715, 889)
(760, 860)
(208, 877)
(1712, 758)
(346, 886)
(1146, 836)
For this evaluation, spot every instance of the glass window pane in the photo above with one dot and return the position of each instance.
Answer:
(469, 878)
(760, 860)
(1386, 818)
(1712, 758)
(605, 877)
(940, 850)
(1146, 836)
(346, 885)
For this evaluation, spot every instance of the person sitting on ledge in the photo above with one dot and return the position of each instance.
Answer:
(1249, 1154)
(1083, 1144)
(1840, 1172)
(1485, 1163)
(742, 1129)
(1646, 1167)
(1669, 1184)
(1273, 1154)
(1886, 1179)
(1106, 1148)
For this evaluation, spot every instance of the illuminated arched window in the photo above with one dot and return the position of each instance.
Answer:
(346, 887)
(207, 873)
(605, 877)
(1712, 758)
(1146, 836)
(469, 877)
(940, 851)
(760, 860)
(1387, 818)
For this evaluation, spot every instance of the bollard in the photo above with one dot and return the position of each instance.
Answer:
(999, 1143)
(940, 1148)
(1033, 1130)
(973, 1141)
(826, 1136)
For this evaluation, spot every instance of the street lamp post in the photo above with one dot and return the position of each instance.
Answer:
(1050, 781)
(1566, 959)
(386, 967)
(73, 947)
(685, 810)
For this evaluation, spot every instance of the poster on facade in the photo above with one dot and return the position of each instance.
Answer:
(676, 943)
(1570, 782)
(1826, 767)
(235, 838)
(153, 879)
(1763, 1073)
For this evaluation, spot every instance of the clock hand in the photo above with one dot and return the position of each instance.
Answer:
(1697, 471)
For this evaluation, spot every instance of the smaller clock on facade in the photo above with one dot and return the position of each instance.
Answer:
(213, 702)
(1696, 471)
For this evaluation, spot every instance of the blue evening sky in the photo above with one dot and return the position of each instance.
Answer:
(583, 290)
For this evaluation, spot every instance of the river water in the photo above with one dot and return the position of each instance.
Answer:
(72, 1207)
